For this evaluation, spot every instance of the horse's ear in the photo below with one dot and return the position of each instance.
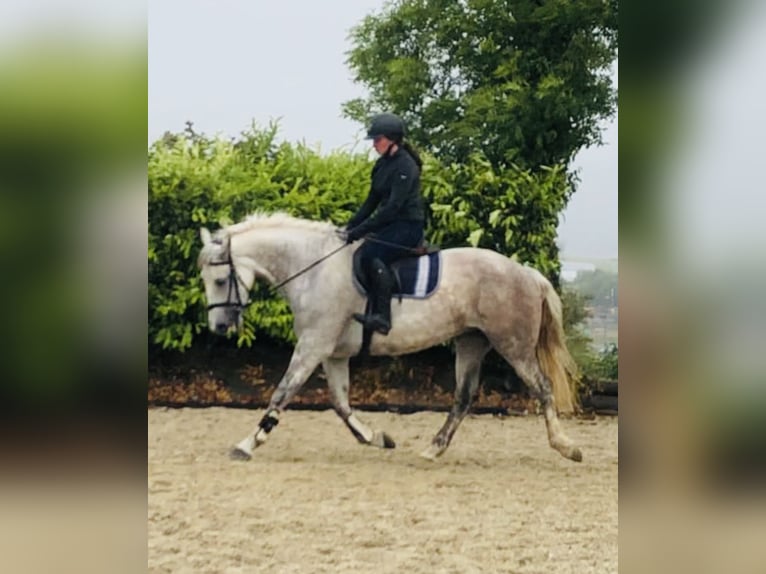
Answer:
(205, 235)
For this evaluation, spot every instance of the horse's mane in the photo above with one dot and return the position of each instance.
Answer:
(261, 220)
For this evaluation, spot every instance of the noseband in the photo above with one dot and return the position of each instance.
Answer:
(234, 278)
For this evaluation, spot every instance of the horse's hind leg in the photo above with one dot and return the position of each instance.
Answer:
(470, 350)
(528, 369)
(337, 381)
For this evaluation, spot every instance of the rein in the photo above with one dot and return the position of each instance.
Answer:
(314, 264)
(334, 251)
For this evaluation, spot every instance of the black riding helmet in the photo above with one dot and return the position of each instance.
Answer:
(388, 125)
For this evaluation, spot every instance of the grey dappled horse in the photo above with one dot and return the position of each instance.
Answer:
(484, 301)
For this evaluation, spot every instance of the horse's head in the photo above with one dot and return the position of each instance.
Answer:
(226, 289)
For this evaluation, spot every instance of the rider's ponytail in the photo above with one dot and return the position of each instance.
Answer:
(411, 150)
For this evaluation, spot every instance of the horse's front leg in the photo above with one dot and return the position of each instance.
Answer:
(337, 381)
(306, 357)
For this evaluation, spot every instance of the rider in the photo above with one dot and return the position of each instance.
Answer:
(399, 219)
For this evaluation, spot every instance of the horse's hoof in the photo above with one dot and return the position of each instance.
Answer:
(238, 454)
(432, 452)
(388, 442)
(576, 455)
(382, 440)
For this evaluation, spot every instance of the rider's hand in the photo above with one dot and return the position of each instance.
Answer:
(354, 234)
(343, 235)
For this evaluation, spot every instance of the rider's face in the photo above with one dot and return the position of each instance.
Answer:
(381, 143)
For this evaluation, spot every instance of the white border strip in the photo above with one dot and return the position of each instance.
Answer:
(424, 266)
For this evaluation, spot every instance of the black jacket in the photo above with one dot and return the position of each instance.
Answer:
(394, 191)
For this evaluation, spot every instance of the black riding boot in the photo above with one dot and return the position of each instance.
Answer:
(381, 285)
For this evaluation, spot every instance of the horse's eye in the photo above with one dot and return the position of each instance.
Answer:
(220, 282)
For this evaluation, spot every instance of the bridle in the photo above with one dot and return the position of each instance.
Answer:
(234, 279)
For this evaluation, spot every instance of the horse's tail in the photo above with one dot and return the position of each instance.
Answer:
(552, 353)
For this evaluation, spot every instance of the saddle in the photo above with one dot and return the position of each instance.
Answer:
(398, 268)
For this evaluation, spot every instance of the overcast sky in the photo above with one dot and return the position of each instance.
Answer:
(224, 63)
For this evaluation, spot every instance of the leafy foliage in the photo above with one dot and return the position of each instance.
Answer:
(511, 210)
(604, 366)
(196, 181)
(575, 315)
(594, 366)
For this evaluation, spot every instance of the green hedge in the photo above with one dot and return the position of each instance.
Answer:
(195, 180)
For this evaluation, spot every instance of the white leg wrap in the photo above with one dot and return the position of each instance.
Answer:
(247, 445)
(260, 437)
(360, 427)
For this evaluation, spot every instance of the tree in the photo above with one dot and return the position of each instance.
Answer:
(523, 82)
